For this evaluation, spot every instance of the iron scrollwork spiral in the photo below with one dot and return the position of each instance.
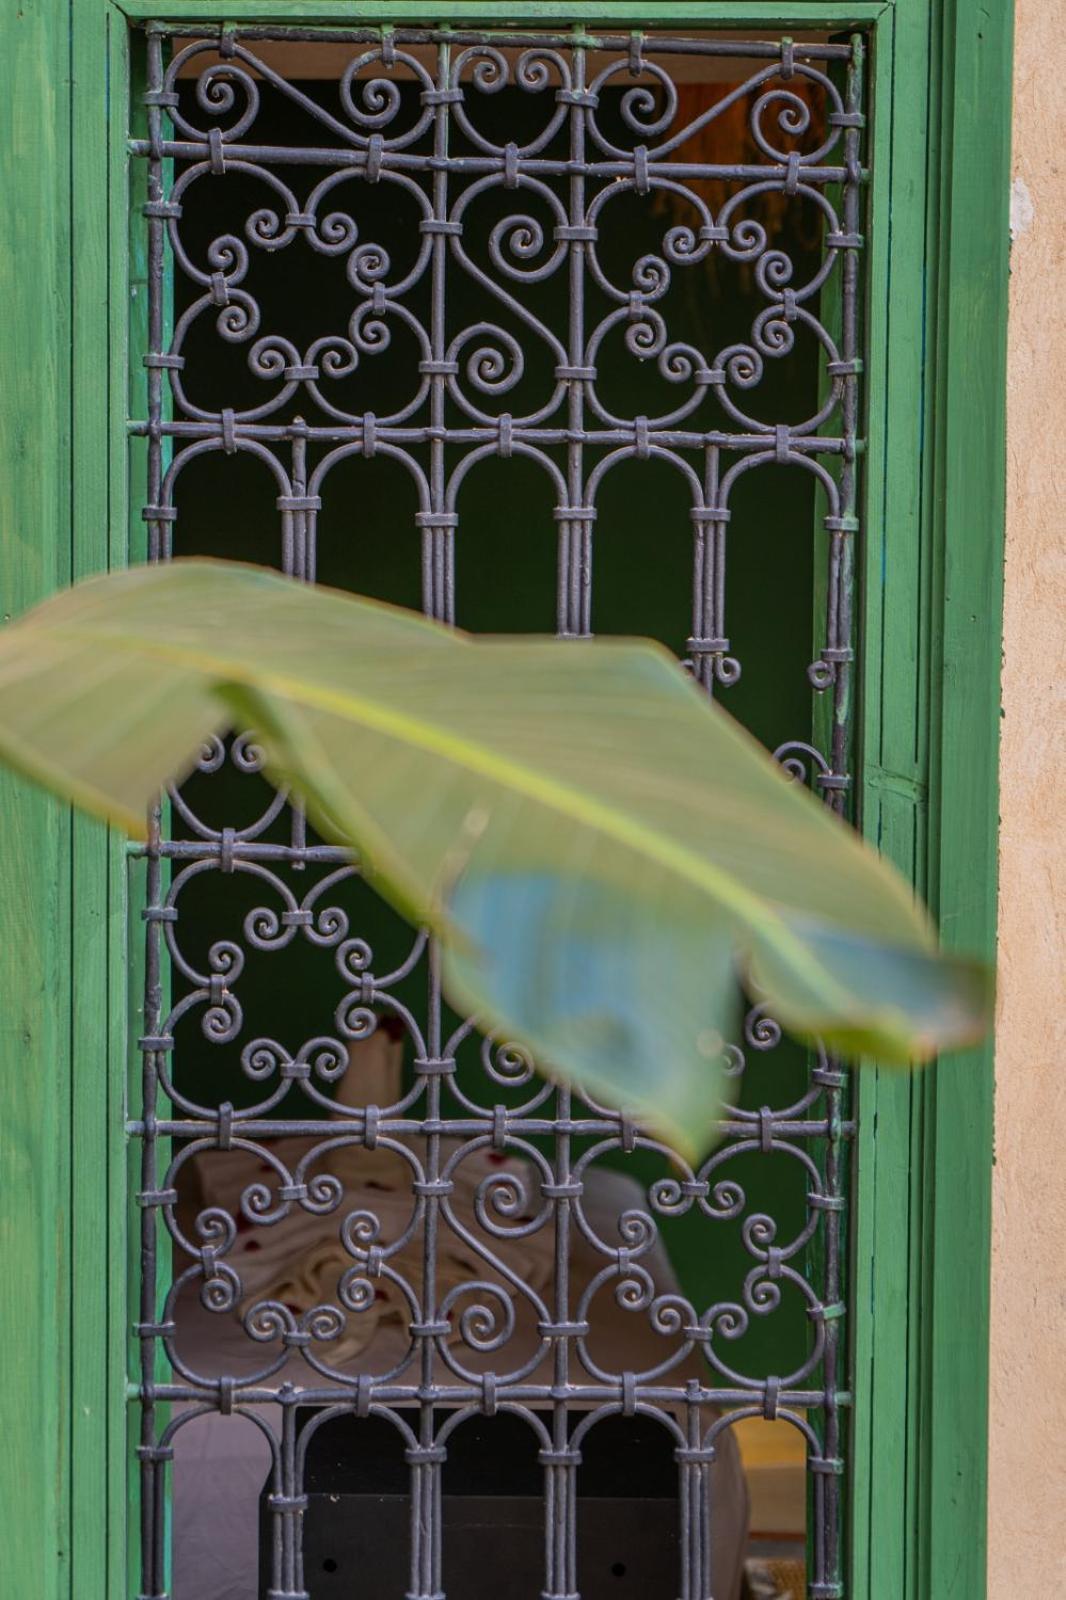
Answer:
(395, 1213)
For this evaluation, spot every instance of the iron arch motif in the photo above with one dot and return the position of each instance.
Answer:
(455, 1237)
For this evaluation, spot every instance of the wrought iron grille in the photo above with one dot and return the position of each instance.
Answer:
(381, 1216)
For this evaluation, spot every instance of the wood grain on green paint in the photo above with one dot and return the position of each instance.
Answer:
(34, 878)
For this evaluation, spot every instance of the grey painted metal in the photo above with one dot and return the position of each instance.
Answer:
(454, 420)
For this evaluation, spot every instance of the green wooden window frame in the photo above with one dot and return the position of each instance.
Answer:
(934, 490)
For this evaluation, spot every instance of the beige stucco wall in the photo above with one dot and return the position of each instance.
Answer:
(1027, 1501)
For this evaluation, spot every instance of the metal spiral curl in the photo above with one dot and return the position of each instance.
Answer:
(418, 113)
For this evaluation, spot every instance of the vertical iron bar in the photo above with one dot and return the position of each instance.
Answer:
(298, 542)
(827, 1478)
(153, 1520)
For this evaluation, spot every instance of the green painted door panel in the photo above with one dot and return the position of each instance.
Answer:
(932, 484)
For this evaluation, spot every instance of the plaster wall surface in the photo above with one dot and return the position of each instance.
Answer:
(1027, 1498)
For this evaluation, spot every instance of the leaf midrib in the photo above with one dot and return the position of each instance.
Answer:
(561, 797)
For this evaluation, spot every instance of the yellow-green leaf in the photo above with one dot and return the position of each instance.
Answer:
(602, 850)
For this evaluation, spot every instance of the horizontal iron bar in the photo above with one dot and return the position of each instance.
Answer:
(243, 850)
(458, 1394)
(575, 38)
(815, 444)
(470, 166)
(456, 1127)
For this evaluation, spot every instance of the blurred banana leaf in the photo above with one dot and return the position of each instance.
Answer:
(605, 854)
